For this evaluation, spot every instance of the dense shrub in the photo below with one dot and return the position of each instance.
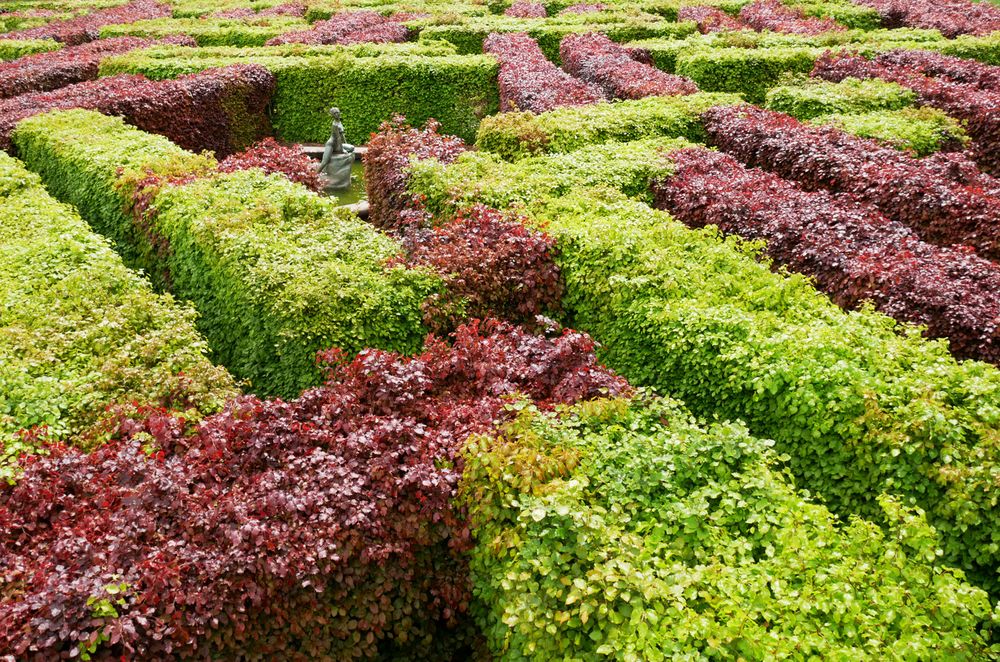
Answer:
(275, 271)
(978, 108)
(709, 19)
(285, 9)
(223, 110)
(347, 28)
(369, 84)
(274, 158)
(594, 58)
(916, 193)
(73, 64)
(620, 529)
(526, 9)
(854, 253)
(775, 16)
(529, 82)
(516, 135)
(12, 49)
(922, 131)
(747, 71)
(87, 27)
(81, 333)
(322, 527)
(860, 404)
(808, 99)
(950, 17)
(584, 8)
(955, 69)
(391, 206)
(491, 265)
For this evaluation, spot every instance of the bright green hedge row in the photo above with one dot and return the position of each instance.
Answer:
(468, 35)
(516, 135)
(747, 71)
(197, 8)
(80, 332)
(210, 31)
(623, 530)
(921, 130)
(853, 16)
(275, 271)
(442, 11)
(457, 90)
(11, 49)
(810, 98)
(861, 404)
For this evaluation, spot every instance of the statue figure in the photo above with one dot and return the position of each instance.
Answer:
(338, 156)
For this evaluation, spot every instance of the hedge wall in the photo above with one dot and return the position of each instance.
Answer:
(276, 272)
(81, 332)
(747, 71)
(811, 98)
(621, 530)
(210, 31)
(861, 404)
(922, 131)
(11, 49)
(516, 135)
(456, 90)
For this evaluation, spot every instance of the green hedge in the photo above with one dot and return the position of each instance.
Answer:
(468, 36)
(921, 130)
(811, 98)
(861, 404)
(853, 16)
(275, 271)
(623, 530)
(79, 331)
(456, 90)
(516, 135)
(11, 49)
(210, 31)
(747, 71)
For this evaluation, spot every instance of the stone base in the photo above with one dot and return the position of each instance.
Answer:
(337, 176)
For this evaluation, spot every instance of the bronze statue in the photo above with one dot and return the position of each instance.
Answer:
(338, 156)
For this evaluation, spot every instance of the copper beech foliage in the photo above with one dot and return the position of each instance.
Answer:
(529, 82)
(967, 93)
(853, 251)
(950, 17)
(526, 9)
(775, 16)
(322, 527)
(594, 58)
(87, 27)
(944, 198)
(347, 28)
(216, 109)
(274, 158)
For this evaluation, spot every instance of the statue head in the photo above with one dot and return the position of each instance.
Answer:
(335, 113)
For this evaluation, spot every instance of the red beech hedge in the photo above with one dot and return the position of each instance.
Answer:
(949, 67)
(492, 266)
(347, 28)
(320, 528)
(87, 27)
(950, 17)
(584, 8)
(775, 16)
(853, 251)
(526, 9)
(529, 82)
(223, 110)
(391, 206)
(709, 19)
(286, 9)
(920, 193)
(594, 58)
(73, 64)
(978, 108)
(272, 157)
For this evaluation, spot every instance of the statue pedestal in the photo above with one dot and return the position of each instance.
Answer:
(337, 175)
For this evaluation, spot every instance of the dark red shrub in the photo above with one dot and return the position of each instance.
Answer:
(321, 528)
(853, 251)
(978, 108)
(492, 265)
(526, 9)
(709, 19)
(273, 157)
(584, 8)
(950, 17)
(775, 16)
(88, 26)
(594, 58)
(347, 28)
(223, 110)
(948, 67)
(391, 206)
(528, 81)
(917, 193)
(73, 64)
